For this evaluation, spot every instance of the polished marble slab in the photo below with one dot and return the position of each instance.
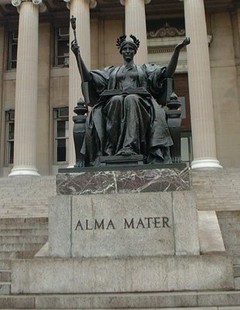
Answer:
(131, 179)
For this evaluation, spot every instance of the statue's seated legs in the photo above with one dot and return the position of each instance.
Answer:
(129, 131)
(127, 123)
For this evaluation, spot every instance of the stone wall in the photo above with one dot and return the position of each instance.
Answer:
(230, 226)
(217, 190)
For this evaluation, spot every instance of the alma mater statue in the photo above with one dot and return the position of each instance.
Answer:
(126, 118)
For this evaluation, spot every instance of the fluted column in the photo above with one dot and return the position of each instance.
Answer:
(1, 96)
(199, 75)
(135, 23)
(81, 10)
(26, 91)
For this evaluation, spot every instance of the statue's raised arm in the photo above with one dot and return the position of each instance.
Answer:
(84, 72)
(174, 59)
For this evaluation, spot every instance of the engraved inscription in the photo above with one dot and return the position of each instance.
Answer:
(127, 223)
(94, 224)
(147, 222)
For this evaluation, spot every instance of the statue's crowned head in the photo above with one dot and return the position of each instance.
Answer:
(132, 41)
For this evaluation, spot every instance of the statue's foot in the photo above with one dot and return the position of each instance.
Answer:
(79, 164)
(126, 152)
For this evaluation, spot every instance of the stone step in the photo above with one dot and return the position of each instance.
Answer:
(24, 226)
(5, 288)
(5, 275)
(236, 273)
(22, 239)
(185, 300)
(16, 247)
(237, 283)
(23, 221)
(236, 260)
(5, 264)
(27, 212)
(17, 232)
(26, 191)
(236, 270)
(6, 255)
(29, 202)
(192, 308)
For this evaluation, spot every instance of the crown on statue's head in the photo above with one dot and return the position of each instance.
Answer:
(123, 40)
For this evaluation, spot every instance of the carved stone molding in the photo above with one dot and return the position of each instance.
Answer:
(160, 49)
(146, 2)
(166, 31)
(92, 3)
(42, 6)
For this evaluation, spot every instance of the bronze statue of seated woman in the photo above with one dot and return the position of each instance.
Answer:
(126, 117)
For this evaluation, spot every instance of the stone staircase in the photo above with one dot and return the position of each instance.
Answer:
(219, 190)
(19, 238)
(236, 270)
(23, 230)
(230, 227)
(173, 300)
(23, 221)
(23, 197)
(5, 277)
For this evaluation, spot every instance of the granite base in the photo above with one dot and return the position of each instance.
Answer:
(141, 236)
(135, 274)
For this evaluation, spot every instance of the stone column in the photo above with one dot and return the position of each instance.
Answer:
(2, 146)
(26, 91)
(81, 10)
(199, 75)
(135, 23)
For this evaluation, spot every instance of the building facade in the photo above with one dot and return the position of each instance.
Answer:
(40, 82)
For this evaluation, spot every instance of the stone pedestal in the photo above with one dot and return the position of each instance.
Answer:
(125, 230)
(121, 275)
(123, 225)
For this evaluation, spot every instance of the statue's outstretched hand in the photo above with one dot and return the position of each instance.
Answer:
(74, 47)
(185, 42)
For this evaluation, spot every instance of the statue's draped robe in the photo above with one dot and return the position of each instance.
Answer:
(126, 117)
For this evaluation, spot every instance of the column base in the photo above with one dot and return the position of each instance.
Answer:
(24, 171)
(207, 163)
(70, 166)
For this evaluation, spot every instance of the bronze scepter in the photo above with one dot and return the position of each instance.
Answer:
(78, 56)
(73, 24)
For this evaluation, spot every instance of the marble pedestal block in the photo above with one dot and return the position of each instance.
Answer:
(113, 180)
(123, 225)
(145, 210)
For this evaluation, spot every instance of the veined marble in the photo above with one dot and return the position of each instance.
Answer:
(157, 178)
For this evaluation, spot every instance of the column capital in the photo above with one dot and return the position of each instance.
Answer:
(19, 2)
(42, 6)
(146, 2)
(92, 3)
